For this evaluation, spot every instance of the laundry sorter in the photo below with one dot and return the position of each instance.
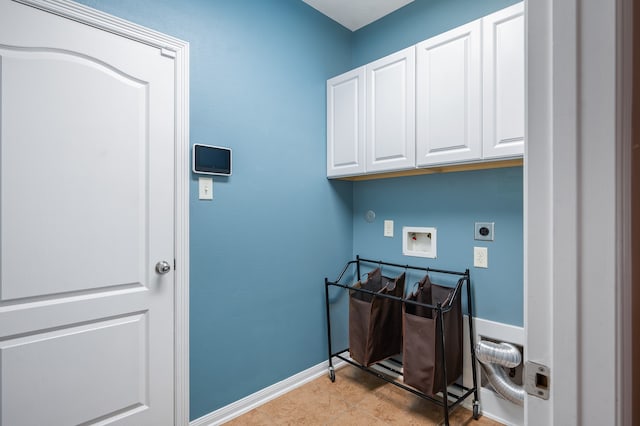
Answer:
(412, 339)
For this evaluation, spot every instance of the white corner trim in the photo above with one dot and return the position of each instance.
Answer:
(265, 395)
(179, 51)
(181, 272)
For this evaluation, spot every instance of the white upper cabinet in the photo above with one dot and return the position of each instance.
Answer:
(503, 83)
(391, 112)
(346, 124)
(449, 97)
(458, 97)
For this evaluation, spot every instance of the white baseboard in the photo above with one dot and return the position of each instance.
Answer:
(263, 396)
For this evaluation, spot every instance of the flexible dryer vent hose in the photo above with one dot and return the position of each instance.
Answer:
(494, 356)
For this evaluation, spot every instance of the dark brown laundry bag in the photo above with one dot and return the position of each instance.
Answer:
(421, 355)
(375, 323)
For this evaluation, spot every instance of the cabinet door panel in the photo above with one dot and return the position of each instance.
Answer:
(345, 124)
(391, 112)
(503, 83)
(449, 97)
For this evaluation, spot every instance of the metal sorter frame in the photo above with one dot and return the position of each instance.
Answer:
(445, 403)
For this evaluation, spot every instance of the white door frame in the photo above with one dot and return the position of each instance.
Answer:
(179, 50)
(577, 223)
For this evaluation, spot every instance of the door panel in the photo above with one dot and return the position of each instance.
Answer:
(70, 216)
(345, 124)
(87, 134)
(448, 104)
(391, 112)
(70, 368)
(503, 82)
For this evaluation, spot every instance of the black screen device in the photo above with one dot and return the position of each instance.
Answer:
(211, 160)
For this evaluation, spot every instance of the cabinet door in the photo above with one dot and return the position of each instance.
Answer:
(345, 124)
(448, 109)
(391, 112)
(503, 83)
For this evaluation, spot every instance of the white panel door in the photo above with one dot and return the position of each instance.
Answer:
(448, 104)
(345, 124)
(86, 211)
(391, 112)
(503, 82)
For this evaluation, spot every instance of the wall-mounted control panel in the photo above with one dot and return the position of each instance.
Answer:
(483, 231)
(211, 160)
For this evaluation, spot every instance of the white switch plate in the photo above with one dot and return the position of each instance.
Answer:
(205, 188)
(480, 257)
(388, 228)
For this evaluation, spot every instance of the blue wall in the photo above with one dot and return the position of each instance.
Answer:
(260, 249)
(277, 227)
(451, 203)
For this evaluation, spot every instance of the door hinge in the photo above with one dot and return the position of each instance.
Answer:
(168, 53)
(174, 264)
(537, 379)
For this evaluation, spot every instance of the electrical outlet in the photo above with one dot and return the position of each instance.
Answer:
(483, 231)
(480, 257)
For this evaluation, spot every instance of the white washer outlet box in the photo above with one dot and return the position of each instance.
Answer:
(419, 241)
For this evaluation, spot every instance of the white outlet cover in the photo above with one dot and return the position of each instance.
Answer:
(480, 257)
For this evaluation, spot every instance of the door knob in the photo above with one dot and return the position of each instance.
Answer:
(163, 267)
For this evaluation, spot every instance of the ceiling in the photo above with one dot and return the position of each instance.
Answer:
(355, 14)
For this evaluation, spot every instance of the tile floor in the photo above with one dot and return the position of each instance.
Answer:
(355, 398)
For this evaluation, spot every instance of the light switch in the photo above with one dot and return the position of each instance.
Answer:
(205, 188)
(480, 257)
(388, 228)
